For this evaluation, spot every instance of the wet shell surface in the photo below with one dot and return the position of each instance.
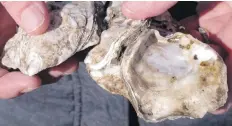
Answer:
(163, 72)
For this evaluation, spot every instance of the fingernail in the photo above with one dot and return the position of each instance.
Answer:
(32, 17)
(29, 89)
(71, 70)
(127, 7)
(55, 73)
(68, 72)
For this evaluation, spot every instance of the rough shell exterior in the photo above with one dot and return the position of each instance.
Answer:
(164, 73)
(72, 29)
(163, 77)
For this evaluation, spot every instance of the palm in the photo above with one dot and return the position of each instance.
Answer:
(216, 19)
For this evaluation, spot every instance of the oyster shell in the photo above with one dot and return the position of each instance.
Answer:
(163, 77)
(72, 28)
(166, 74)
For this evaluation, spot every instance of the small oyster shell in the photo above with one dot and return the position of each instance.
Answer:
(72, 29)
(163, 77)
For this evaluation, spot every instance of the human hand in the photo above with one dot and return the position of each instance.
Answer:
(214, 17)
(33, 18)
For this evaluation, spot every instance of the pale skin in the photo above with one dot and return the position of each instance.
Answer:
(215, 17)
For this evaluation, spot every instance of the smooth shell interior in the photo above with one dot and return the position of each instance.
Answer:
(173, 76)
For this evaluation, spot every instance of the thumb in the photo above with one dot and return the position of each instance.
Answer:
(31, 16)
(142, 10)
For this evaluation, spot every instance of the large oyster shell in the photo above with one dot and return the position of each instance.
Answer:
(163, 77)
(166, 74)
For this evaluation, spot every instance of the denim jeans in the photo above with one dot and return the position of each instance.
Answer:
(76, 100)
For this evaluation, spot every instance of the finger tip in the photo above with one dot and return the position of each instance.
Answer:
(66, 68)
(133, 10)
(34, 82)
(14, 84)
(71, 69)
(31, 82)
(31, 16)
(127, 12)
(219, 111)
(37, 81)
(143, 10)
(223, 109)
(55, 73)
(42, 28)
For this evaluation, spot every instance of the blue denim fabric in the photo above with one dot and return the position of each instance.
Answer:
(76, 100)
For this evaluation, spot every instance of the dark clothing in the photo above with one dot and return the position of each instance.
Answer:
(76, 100)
